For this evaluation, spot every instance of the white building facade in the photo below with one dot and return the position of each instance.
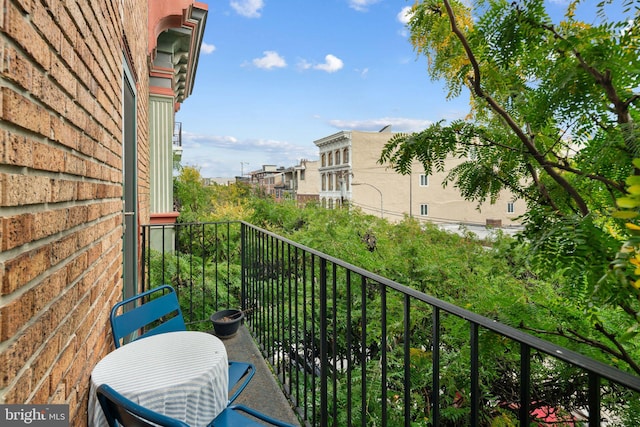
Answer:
(350, 174)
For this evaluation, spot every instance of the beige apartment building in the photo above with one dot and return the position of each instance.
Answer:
(350, 173)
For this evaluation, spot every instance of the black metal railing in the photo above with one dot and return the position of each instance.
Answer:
(177, 134)
(354, 348)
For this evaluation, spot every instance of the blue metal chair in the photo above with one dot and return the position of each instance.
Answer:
(152, 312)
(120, 411)
(158, 311)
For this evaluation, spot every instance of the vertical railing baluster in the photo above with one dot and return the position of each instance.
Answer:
(594, 400)
(435, 351)
(263, 289)
(244, 247)
(146, 258)
(273, 250)
(475, 375)
(216, 269)
(407, 360)
(296, 329)
(334, 345)
(349, 344)
(383, 348)
(363, 350)
(228, 281)
(525, 383)
(304, 337)
(313, 340)
(204, 275)
(290, 318)
(323, 345)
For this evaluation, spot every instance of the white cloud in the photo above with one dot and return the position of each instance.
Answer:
(331, 64)
(221, 156)
(207, 48)
(398, 124)
(270, 59)
(361, 5)
(303, 64)
(405, 15)
(248, 8)
(363, 73)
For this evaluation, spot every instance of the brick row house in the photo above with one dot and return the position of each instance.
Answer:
(88, 94)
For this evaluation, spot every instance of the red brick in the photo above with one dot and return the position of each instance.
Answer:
(41, 395)
(24, 268)
(20, 392)
(17, 230)
(17, 68)
(63, 133)
(77, 266)
(18, 110)
(76, 215)
(19, 150)
(46, 26)
(15, 315)
(50, 94)
(22, 190)
(63, 190)
(18, 27)
(49, 158)
(68, 353)
(74, 165)
(45, 359)
(64, 77)
(48, 223)
(63, 249)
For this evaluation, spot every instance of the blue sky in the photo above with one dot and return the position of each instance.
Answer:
(275, 75)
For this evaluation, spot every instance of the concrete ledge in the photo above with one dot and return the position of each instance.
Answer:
(263, 393)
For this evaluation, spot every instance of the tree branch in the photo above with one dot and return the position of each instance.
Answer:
(528, 143)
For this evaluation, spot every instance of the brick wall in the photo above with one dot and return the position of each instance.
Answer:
(61, 189)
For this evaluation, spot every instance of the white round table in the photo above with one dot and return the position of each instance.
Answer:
(183, 375)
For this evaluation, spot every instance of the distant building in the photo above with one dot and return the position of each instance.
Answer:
(306, 181)
(268, 179)
(349, 173)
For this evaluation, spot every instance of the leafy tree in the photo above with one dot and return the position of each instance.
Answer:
(553, 120)
(191, 196)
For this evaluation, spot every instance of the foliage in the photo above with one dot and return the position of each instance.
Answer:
(554, 107)
(191, 197)
(492, 278)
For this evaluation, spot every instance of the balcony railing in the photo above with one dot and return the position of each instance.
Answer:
(353, 348)
(177, 134)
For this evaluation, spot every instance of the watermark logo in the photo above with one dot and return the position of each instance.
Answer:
(34, 415)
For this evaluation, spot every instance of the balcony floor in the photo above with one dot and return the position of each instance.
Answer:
(263, 392)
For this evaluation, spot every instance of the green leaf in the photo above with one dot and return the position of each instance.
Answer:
(628, 202)
(625, 214)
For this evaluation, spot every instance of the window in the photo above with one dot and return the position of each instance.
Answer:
(302, 175)
(330, 159)
(345, 155)
(331, 180)
(337, 157)
(323, 178)
(511, 207)
(424, 209)
(424, 180)
(324, 161)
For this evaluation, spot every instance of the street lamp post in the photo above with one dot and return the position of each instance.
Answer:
(379, 192)
(242, 167)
